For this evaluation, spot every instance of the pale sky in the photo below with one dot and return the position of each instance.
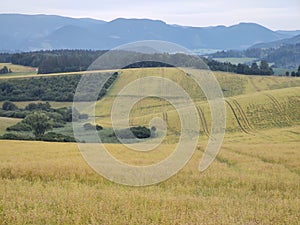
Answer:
(274, 14)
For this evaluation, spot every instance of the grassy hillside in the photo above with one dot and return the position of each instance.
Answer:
(253, 102)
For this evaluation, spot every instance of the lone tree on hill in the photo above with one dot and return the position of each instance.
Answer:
(39, 122)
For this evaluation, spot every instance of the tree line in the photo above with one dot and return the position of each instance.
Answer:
(53, 61)
(294, 73)
(262, 69)
(286, 56)
(80, 60)
(52, 88)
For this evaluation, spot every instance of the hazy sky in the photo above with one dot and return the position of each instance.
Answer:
(274, 14)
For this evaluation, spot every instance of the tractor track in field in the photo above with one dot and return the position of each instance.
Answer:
(242, 123)
(166, 119)
(254, 85)
(242, 113)
(235, 165)
(263, 159)
(278, 107)
(276, 102)
(203, 121)
(275, 80)
(222, 160)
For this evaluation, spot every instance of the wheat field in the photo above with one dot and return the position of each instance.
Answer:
(253, 180)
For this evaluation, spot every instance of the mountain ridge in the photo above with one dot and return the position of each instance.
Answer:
(44, 32)
(276, 44)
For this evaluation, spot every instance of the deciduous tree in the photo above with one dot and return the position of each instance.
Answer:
(39, 122)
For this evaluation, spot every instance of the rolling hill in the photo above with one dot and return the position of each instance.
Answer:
(266, 101)
(254, 94)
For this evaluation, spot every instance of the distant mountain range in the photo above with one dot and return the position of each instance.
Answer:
(276, 44)
(35, 32)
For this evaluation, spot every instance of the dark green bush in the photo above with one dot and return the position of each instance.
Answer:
(19, 127)
(133, 132)
(13, 114)
(7, 113)
(98, 127)
(12, 136)
(20, 114)
(8, 105)
(55, 137)
(140, 132)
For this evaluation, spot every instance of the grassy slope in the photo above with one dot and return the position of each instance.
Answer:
(251, 92)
